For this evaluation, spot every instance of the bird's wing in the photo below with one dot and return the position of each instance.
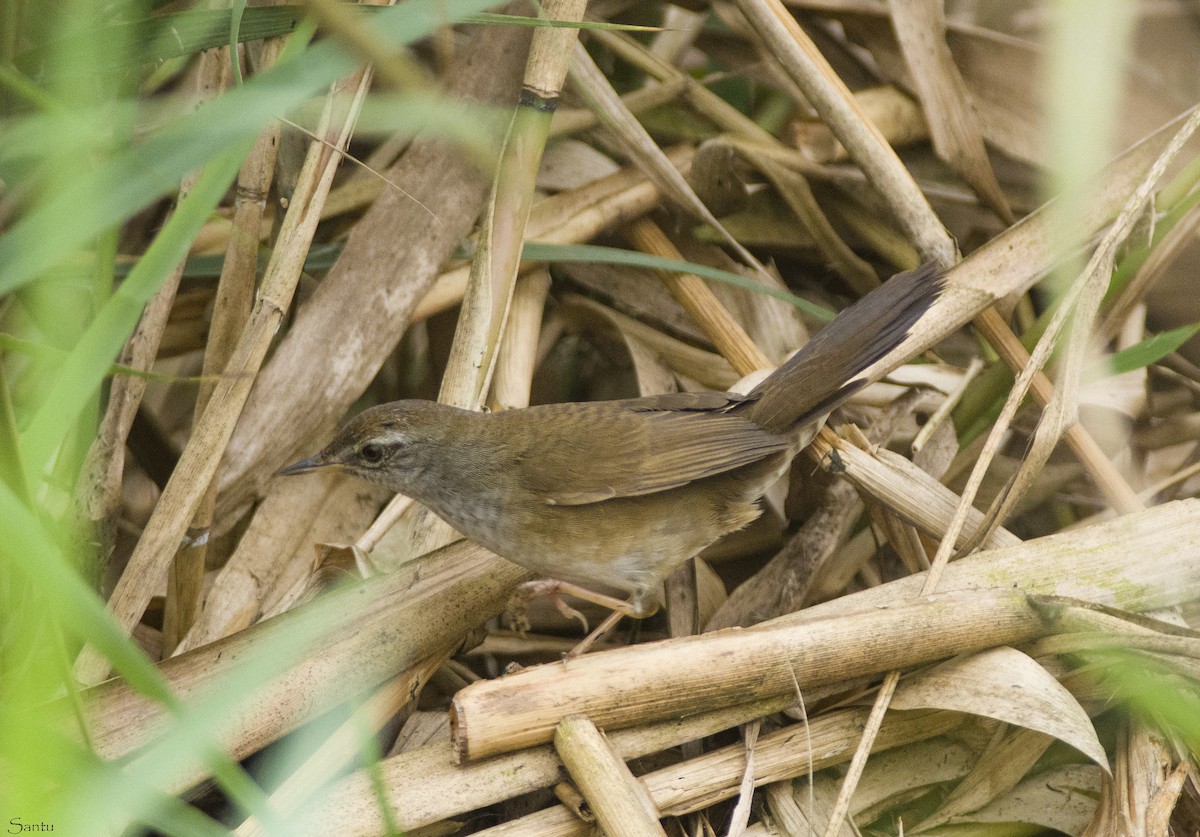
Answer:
(647, 449)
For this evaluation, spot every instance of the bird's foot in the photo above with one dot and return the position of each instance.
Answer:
(591, 639)
(518, 603)
(524, 594)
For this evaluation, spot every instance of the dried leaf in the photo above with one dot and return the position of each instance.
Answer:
(1009, 686)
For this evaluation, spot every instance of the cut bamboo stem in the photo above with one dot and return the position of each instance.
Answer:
(425, 786)
(1137, 562)
(620, 802)
(367, 633)
(784, 754)
(657, 680)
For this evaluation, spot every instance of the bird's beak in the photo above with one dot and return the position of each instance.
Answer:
(304, 466)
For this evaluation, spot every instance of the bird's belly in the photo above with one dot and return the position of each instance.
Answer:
(631, 544)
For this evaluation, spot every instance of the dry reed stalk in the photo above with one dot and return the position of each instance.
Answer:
(643, 683)
(231, 308)
(954, 127)
(619, 801)
(425, 786)
(900, 486)
(518, 349)
(646, 154)
(355, 317)
(200, 458)
(776, 326)
(897, 116)
(344, 744)
(826, 92)
(793, 751)
(731, 340)
(497, 258)
(359, 637)
(635, 685)
(744, 132)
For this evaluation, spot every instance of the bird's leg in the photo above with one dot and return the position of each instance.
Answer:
(639, 606)
(556, 589)
(603, 628)
(525, 593)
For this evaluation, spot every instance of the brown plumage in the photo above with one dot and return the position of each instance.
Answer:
(619, 493)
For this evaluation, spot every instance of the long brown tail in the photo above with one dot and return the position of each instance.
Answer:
(824, 373)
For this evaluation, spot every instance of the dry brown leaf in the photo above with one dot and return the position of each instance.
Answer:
(1062, 799)
(920, 29)
(1004, 684)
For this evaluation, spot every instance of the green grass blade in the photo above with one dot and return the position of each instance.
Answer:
(135, 177)
(84, 369)
(590, 253)
(1151, 350)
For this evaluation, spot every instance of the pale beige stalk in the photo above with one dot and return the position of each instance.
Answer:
(703, 781)
(619, 801)
(425, 786)
(200, 458)
(1135, 562)
(368, 633)
(234, 300)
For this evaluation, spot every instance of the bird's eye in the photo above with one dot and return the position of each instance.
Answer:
(372, 454)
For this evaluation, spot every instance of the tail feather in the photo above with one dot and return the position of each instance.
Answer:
(824, 373)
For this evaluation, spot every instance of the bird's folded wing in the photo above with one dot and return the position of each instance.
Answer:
(657, 451)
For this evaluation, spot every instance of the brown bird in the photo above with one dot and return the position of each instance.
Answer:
(620, 493)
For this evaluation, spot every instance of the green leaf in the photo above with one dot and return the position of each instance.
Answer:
(590, 253)
(1151, 350)
(172, 35)
(166, 36)
(81, 374)
(135, 177)
(37, 559)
